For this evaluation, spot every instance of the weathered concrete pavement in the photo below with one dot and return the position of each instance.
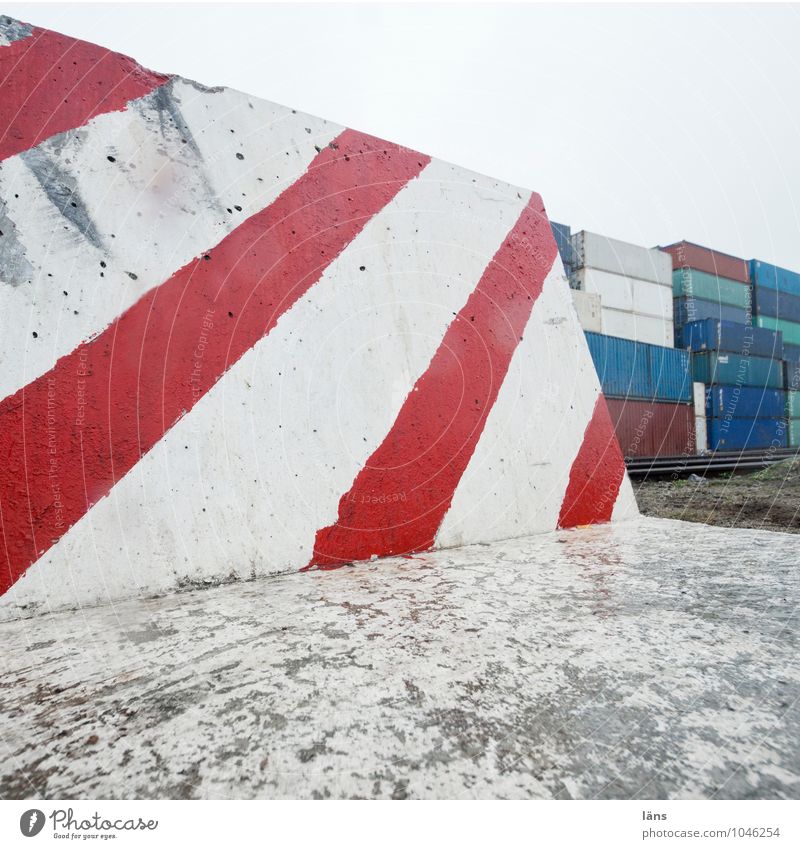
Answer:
(654, 659)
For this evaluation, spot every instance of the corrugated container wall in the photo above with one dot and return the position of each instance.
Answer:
(744, 402)
(789, 329)
(774, 277)
(689, 255)
(595, 251)
(689, 283)
(735, 369)
(652, 428)
(746, 434)
(776, 304)
(713, 335)
(696, 309)
(637, 370)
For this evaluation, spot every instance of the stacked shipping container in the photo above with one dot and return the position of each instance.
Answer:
(776, 305)
(736, 325)
(732, 359)
(634, 285)
(648, 389)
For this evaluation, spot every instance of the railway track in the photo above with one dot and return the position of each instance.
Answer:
(710, 463)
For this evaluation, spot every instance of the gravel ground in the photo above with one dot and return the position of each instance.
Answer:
(768, 499)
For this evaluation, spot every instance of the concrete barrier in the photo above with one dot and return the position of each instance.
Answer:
(238, 340)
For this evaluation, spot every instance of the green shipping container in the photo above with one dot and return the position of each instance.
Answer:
(733, 369)
(790, 329)
(793, 404)
(690, 283)
(794, 433)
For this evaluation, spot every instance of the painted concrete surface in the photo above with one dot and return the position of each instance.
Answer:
(240, 341)
(648, 659)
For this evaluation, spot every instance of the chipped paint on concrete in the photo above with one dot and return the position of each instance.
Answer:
(12, 30)
(15, 268)
(61, 188)
(653, 659)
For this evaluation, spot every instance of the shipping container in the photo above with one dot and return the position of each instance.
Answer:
(744, 402)
(776, 304)
(688, 255)
(714, 335)
(689, 283)
(628, 294)
(737, 370)
(789, 329)
(791, 352)
(563, 235)
(794, 433)
(638, 328)
(592, 250)
(637, 370)
(793, 404)
(685, 310)
(653, 428)
(791, 374)
(746, 434)
(587, 306)
(774, 277)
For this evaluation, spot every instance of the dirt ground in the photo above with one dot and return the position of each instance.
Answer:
(767, 499)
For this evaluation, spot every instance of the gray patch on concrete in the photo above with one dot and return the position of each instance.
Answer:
(15, 267)
(61, 187)
(12, 30)
(173, 126)
(650, 660)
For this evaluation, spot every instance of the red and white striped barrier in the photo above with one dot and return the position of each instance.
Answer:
(238, 341)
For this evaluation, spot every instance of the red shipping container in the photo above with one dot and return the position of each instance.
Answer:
(653, 429)
(688, 255)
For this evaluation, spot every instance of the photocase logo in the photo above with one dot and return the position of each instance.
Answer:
(31, 822)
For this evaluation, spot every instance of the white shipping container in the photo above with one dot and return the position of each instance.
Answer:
(587, 306)
(652, 299)
(640, 328)
(699, 398)
(595, 251)
(616, 291)
(627, 293)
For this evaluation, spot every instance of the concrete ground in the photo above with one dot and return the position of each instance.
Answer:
(654, 660)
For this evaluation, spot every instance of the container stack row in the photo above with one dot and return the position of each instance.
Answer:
(776, 307)
(732, 380)
(633, 285)
(648, 389)
(738, 363)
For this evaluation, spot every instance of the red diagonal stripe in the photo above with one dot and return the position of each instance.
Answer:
(67, 437)
(398, 501)
(596, 474)
(51, 83)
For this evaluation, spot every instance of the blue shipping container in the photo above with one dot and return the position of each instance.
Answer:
(638, 370)
(562, 234)
(791, 352)
(693, 309)
(746, 434)
(713, 335)
(791, 374)
(774, 277)
(775, 304)
(744, 402)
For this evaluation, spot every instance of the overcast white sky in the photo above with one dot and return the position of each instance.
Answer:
(645, 123)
